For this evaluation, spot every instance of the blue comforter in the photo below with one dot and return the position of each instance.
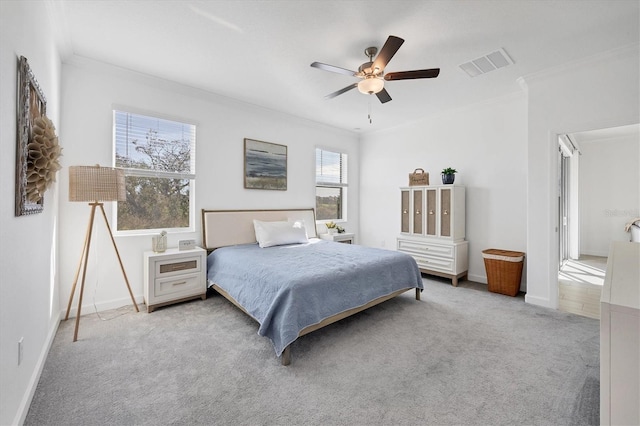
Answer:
(288, 288)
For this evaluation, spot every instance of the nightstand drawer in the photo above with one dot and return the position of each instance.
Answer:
(425, 248)
(167, 267)
(183, 284)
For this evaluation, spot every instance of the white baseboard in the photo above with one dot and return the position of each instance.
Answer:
(477, 278)
(23, 409)
(594, 253)
(539, 301)
(90, 308)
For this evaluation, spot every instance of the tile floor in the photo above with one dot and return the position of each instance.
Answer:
(580, 285)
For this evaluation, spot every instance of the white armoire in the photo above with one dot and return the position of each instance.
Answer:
(432, 229)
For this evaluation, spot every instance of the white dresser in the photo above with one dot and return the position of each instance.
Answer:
(620, 337)
(432, 229)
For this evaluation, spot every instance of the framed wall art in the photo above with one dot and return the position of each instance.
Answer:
(37, 150)
(265, 165)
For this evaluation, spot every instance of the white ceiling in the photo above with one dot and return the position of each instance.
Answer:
(607, 135)
(260, 51)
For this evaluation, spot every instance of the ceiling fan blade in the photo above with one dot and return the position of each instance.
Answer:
(383, 96)
(333, 68)
(389, 49)
(410, 75)
(341, 91)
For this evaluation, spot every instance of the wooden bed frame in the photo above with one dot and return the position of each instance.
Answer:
(222, 228)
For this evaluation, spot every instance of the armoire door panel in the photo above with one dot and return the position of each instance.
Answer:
(445, 212)
(418, 213)
(405, 212)
(431, 212)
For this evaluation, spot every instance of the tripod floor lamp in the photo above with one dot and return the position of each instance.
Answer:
(94, 184)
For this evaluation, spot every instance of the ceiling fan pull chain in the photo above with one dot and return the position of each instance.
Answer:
(369, 112)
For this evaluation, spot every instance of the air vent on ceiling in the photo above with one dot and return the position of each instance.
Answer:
(487, 63)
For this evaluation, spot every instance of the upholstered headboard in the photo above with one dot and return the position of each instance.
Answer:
(222, 228)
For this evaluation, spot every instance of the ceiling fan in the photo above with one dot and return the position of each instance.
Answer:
(372, 73)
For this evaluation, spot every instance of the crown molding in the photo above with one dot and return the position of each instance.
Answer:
(629, 50)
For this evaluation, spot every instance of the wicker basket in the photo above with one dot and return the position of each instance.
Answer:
(418, 177)
(504, 270)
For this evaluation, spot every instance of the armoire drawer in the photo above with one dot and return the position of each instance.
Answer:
(434, 263)
(421, 247)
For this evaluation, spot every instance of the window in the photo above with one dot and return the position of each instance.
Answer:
(158, 157)
(331, 185)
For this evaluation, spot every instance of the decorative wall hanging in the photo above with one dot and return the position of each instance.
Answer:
(37, 150)
(265, 165)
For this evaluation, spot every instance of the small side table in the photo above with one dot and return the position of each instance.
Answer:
(345, 237)
(174, 276)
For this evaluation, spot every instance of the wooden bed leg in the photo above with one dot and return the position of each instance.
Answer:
(417, 294)
(286, 356)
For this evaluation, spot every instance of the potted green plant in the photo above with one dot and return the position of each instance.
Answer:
(448, 175)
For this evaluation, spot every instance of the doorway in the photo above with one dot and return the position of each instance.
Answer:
(592, 211)
(580, 277)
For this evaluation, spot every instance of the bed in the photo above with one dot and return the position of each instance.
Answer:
(271, 265)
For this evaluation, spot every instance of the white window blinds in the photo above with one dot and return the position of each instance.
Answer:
(331, 168)
(154, 144)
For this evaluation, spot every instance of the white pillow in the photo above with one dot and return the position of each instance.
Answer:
(270, 234)
(299, 223)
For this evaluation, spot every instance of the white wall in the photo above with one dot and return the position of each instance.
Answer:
(597, 93)
(92, 90)
(609, 192)
(28, 251)
(486, 143)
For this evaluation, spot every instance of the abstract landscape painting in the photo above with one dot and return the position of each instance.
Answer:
(265, 165)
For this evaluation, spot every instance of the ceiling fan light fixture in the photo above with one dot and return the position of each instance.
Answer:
(372, 73)
(370, 85)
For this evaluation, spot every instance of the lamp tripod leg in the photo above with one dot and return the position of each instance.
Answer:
(126, 280)
(75, 279)
(84, 271)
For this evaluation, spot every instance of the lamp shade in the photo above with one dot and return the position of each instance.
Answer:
(370, 85)
(96, 183)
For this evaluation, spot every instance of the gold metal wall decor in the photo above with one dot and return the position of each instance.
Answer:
(37, 150)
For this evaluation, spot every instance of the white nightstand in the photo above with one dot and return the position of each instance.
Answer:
(174, 276)
(345, 237)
